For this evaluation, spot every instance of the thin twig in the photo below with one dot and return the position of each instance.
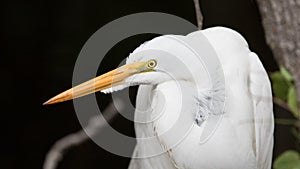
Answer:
(199, 16)
(281, 103)
(285, 121)
(285, 106)
(56, 153)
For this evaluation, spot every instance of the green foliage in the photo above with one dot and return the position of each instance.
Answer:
(292, 101)
(280, 85)
(290, 159)
(296, 133)
(284, 89)
(286, 74)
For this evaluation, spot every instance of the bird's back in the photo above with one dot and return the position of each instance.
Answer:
(244, 138)
(243, 68)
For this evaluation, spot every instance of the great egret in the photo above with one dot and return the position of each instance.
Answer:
(244, 136)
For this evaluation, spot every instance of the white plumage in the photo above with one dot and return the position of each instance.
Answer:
(244, 137)
(180, 119)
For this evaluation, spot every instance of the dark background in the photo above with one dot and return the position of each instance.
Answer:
(44, 39)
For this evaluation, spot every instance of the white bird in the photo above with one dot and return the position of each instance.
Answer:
(178, 96)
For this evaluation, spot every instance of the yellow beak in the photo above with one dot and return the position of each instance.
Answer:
(110, 79)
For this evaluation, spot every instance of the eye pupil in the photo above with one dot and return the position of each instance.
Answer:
(151, 63)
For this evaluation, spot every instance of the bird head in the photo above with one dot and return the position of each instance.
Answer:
(147, 71)
(146, 66)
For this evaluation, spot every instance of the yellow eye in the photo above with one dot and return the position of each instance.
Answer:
(151, 64)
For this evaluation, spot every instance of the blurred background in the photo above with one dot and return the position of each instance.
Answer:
(45, 37)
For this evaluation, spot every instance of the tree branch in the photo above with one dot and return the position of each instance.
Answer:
(199, 16)
(56, 153)
(281, 103)
(281, 22)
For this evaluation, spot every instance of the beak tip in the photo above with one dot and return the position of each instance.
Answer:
(46, 103)
(101, 83)
(50, 101)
